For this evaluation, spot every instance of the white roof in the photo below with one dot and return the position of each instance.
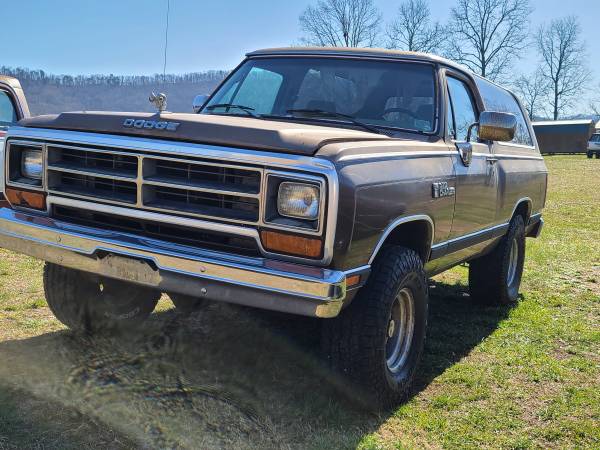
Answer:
(566, 122)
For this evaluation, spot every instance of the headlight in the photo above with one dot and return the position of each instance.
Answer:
(31, 164)
(298, 200)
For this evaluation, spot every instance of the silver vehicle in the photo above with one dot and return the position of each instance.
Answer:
(594, 146)
(324, 182)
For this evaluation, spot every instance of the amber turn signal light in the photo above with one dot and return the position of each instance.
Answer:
(291, 244)
(352, 280)
(26, 199)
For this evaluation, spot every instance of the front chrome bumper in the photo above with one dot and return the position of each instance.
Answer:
(257, 282)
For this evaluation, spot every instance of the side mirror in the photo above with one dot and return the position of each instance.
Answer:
(497, 126)
(199, 101)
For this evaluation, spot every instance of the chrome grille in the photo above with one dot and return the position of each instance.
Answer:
(192, 188)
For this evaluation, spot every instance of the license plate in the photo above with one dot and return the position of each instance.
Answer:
(130, 269)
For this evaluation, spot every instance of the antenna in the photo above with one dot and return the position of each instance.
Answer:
(166, 42)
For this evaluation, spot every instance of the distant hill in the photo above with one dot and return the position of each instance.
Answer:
(48, 93)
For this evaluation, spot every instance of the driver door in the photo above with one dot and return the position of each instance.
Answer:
(476, 175)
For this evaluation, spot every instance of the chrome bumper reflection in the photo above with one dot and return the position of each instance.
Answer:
(257, 282)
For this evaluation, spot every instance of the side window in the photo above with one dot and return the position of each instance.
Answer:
(497, 99)
(8, 115)
(259, 90)
(463, 107)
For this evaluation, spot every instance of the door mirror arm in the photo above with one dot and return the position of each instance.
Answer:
(470, 130)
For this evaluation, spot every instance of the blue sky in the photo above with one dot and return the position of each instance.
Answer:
(126, 36)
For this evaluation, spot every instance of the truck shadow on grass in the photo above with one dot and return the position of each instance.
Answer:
(225, 377)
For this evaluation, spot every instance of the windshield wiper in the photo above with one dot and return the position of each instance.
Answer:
(333, 115)
(247, 109)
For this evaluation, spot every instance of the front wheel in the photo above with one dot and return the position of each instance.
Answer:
(495, 278)
(86, 302)
(377, 341)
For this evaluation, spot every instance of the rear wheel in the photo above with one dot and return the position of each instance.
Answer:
(496, 277)
(86, 302)
(377, 341)
(590, 154)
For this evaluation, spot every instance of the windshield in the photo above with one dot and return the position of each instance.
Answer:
(397, 95)
(595, 138)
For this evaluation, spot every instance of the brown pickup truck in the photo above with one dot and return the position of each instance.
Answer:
(324, 182)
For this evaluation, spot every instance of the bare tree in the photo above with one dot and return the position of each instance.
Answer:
(412, 29)
(532, 90)
(563, 62)
(489, 34)
(595, 104)
(341, 23)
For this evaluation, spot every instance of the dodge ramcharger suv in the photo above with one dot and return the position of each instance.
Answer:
(315, 181)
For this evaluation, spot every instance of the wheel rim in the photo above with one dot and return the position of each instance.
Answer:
(400, 331)
(513, 260)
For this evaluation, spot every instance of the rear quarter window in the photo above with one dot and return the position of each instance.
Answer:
(498, 99)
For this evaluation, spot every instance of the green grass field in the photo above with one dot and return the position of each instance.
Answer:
(527, 376)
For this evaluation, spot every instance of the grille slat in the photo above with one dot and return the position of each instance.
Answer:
(194, 188)
(201, 203)
(202, 176)
(71, 168)
(216, 188)
(116, 164)
(89, 186)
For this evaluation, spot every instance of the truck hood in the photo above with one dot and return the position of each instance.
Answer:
(228, 131)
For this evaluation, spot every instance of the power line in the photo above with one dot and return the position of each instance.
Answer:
(166, 42)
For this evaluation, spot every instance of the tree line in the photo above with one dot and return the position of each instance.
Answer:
(487, 36)
(39, 76)
(49, 93)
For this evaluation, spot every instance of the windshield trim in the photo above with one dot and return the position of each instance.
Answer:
(436, 84)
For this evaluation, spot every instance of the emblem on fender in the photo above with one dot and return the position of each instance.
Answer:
(151, 124)
(441, 189)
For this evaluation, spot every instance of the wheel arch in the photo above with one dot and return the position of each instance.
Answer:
(414, 232)
(522, 207)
